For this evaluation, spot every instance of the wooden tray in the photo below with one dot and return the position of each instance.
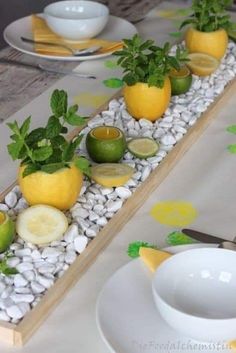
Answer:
(17, 335)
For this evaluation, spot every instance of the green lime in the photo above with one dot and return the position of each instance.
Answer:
(180, 81)
(143, 147)
(7, 231)
(106, 144)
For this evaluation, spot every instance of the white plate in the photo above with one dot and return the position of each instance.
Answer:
(116, 30)
(128, 320)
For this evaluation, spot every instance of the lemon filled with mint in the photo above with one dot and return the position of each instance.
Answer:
(7, 231)
(106, 144)
(180, 80)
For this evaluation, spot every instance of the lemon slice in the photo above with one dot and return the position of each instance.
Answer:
(7, 231)
(143, 147)
(41, 224)
(111, 174)
(153, 257)
(202, 64)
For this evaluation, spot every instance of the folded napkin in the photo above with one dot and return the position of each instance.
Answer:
(153, 257)
(41, 32)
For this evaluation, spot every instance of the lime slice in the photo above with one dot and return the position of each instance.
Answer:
(41, 224)
(7, 231)
(111, 174)
(143, 147)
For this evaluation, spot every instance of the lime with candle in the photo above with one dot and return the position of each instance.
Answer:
(106, 144)
(7, 231)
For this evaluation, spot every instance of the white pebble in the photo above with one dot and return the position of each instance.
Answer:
(3, 207)
(4, 316)
(168, 139)
(13, 261)
(146, 172)
(102, 221)
(80, 212)
(50, 252)
(47, 268)
(70, 257)
(23, 252)
(11, 199)
(71, 233)
(37, 288)
(20, 281)
(24, 266)
(80, 243)
(113, 206)
(22, 290)
(29, 275)
(22, 298)
(106, 191)
(15, 312)
(44, 281)
(123, 193)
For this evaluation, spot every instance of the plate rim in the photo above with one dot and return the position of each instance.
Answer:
(59, 58)
(168, 249)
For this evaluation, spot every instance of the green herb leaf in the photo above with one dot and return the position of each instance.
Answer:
(25, 127)
(113, 82)
(232, 148)
(53, 167)
(14, 148)
(83, 164)
(232, 129)
(53, 127)
(35, 136)
(59, 103)
(42, 153)
(133, 248)
(30, 169)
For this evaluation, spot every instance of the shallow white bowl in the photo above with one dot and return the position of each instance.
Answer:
(76, 20)
(195, 293)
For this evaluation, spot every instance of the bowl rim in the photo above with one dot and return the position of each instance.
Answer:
(49, 6)
(182, 312)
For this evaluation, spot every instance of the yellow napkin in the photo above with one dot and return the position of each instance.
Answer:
(152, 257)
(41, 32)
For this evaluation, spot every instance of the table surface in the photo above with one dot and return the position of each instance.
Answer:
(205, 177)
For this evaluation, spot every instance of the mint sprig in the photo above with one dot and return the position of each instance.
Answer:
(209, 16)
(142, 61)
(133, 248)
(45, 148)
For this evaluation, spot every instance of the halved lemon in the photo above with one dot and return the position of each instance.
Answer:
(111, 174)
(41, 224)
(202, 64)
(7, 231)
(143, 147)
(180, 80)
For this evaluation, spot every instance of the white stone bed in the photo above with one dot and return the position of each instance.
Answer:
(39, 267)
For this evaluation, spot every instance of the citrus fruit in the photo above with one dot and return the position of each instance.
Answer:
(106, 144)
(41, 224)
(111, 174)
(60, 189)
(212, 43)
(180, 80)
(143, 147)
(7, 231)
(202, 64)
(147, 102)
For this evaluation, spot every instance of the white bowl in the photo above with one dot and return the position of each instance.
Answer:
(195, 293)
(76, 20)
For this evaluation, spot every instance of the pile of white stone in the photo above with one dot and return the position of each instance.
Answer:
(39, 267)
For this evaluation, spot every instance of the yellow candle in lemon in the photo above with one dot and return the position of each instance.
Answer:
(106, 144)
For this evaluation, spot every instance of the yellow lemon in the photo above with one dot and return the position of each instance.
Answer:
(7, 231)
(211, 43)
(202, 64)
(111, 174)
(60, 189)
(147, 102)
(41, 224)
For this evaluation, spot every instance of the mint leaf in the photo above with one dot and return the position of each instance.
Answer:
(74, 119)
(113, 82)
(53, 167)
(30, 169)
(36, 135)
(231, 129)
(83, 165)
(42, 153)
(9, 271)
(14, 127)
(59, 103)
(25, 127)
(53, 127)
(232, 148)
(133, 248)
(14, 148)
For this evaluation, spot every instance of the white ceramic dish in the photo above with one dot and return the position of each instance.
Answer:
(76, 20)
(195, 292)
(127, 318)
(116, 30)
